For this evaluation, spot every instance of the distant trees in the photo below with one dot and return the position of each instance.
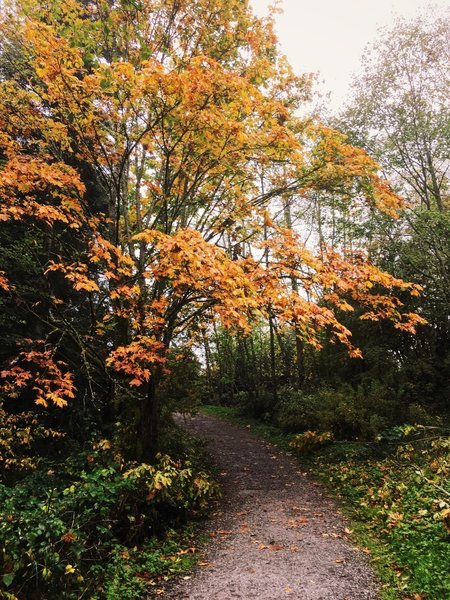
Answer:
(400, 113)
(400, 110)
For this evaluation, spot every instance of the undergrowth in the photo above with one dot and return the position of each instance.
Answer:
(98, 526)
(399, 489)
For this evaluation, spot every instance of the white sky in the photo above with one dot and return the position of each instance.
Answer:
(329, 36)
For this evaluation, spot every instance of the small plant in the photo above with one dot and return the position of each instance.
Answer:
(305, 442)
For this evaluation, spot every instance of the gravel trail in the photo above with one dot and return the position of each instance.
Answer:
(275, 534)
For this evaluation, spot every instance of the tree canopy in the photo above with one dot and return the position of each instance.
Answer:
(148, 148)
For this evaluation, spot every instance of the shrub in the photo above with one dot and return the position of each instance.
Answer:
(59, 527)
(305, 442)
(347, 412)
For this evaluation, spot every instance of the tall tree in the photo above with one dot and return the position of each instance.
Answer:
(400, 112)
(400, 109)
(135, 135)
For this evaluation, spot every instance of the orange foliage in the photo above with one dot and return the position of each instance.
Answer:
(38, 370)
(179, 140)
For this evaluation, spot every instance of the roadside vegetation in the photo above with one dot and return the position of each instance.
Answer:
(395, 491)
(83, 521)
(180, 226)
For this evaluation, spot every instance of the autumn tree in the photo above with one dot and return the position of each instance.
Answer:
(150, 146)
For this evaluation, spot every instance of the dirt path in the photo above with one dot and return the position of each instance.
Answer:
(275, 534)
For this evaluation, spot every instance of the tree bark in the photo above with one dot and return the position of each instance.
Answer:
(149, 422)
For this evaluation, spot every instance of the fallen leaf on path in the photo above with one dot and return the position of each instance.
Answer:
(294, 523)
(339, 561)
(224, 531)
(273, 547)
(288, 590)
(331, 535)
(298, 509)
(187, 551)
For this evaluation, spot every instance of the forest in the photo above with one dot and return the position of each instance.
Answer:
(183, 230)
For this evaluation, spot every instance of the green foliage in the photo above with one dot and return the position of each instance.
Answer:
(59, 527)
(131, 573)
(21, 436)
(181, 389)
(348, 412)
(403, 500)
(258, 404)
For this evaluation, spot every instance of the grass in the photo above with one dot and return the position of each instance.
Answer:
(395, 494)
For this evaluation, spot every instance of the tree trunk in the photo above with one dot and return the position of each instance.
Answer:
(148, 441)
(299, 346)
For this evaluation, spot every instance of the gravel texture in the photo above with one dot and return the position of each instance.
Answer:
(275, 533)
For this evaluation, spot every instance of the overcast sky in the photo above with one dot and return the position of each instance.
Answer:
(329, 35)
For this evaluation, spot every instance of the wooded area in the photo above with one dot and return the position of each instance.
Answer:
(176, 229)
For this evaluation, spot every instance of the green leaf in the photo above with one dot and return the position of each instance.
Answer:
(8, 579)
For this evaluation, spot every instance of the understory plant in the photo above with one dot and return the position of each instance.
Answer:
(96, 525)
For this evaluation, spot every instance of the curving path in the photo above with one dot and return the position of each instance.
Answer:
(275, 534)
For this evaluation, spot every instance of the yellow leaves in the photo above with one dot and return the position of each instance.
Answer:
(125, 292)
(394, 518)
(337, 166)
(208, 125)
(102, 445)
(338, 282)
(69, 569)
(77, 274)
(118, 265)
(25, 178)
(197, 267)
(83, 283)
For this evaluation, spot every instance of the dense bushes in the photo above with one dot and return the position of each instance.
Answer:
(63, 523)
(347, 412)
